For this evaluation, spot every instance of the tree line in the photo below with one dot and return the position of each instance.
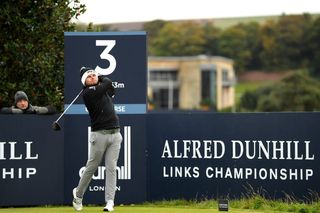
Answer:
(290, 42)
(296, 92)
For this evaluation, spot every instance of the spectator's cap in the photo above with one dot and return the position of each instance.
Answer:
(20, 95)
(84, 72)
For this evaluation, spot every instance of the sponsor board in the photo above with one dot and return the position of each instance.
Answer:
(131, 167)
(30, 157)
(218, 155)
(121, 56)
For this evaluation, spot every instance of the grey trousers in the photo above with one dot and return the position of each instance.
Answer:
(105, 145)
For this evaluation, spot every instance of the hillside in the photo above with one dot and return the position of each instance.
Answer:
(222, 23)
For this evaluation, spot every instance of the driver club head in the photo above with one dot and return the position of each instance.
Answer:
(55, 126)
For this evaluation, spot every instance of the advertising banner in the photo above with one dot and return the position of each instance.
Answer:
(31, 161)
(230, 155)
(189, 156)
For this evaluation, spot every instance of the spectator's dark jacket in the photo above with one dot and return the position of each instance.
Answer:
(29, 110)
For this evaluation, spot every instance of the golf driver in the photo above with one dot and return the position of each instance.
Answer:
(55, 125)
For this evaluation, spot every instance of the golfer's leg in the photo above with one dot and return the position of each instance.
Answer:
(97, 149)
(111, 158)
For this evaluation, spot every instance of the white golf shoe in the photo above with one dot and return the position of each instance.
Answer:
(109, 206)
(77, 202)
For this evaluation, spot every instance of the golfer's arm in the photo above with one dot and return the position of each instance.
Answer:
(105, 84)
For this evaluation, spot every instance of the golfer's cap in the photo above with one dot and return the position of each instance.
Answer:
(84, 72)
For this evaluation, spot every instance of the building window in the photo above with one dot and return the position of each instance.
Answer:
(164, 84)
(225, 75)
(205, 84)
(208, 88)
(163, 75)
(166, 99)
(227, 81)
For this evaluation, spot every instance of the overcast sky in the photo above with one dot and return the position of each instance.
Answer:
(117, 11)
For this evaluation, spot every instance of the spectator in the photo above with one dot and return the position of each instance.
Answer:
(22, 106)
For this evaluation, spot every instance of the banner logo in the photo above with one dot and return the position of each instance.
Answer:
(8, 152)
(123, 172)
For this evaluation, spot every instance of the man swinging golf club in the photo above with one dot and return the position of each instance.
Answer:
(105, 138)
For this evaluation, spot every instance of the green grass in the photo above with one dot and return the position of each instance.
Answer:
(242, 87)
(131, 209)
(254, 203)
(225, 23)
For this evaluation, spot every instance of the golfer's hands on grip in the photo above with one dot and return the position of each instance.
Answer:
(100, 78)
(110, 90)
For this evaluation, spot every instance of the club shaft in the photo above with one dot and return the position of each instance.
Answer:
(69, 105)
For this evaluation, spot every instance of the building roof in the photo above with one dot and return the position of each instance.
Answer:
(188, 58)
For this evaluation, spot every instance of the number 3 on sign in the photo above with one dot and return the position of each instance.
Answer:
(105, 55)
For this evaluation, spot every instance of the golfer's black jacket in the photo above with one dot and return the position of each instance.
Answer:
(98, 100)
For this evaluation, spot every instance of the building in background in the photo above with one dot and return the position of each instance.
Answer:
(191, 83)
